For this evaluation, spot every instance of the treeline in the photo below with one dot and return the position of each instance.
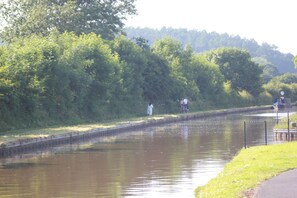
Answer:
(51, 76)
(65, 78)
(202, 41)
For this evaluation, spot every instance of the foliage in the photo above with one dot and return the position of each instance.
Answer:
(285, 78)
(65, 61)
(65, 78)
(206, 75)
(238, 69)
(59, 77)
(156, 84)
(286, 83)
(23, 18)
(179, 61)
(269, 70)
(100, 66)
(28, 69)
(133, 64)
(202, 41)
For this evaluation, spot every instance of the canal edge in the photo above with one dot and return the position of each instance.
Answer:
(23, 145)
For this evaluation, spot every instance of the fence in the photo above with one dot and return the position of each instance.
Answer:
(287, 133)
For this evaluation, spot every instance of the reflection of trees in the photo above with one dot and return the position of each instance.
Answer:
(117, 162)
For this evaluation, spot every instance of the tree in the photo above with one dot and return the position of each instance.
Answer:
(287, 78)
(269, 70)
(5, 81)
(142, 42)
(206, 75)
(202, 41)
(102, 66)
(238, 68)
(104, 17)
(178, 60)
(133, 63)
(60, 77)
(156, 86)
(28, 70)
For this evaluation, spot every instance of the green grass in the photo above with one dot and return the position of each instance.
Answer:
(19, 134)
(44, 132)
(249, 168)
(14, 135)
(283, 123)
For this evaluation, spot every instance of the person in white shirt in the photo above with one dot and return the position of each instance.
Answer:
(186, 102)
(150, 109)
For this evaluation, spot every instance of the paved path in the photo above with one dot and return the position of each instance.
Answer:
(281, 186)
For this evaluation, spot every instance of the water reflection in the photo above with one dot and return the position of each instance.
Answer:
(165, 161)
(21, 165)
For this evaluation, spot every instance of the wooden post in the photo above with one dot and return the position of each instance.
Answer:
(288, 126)
(244, 134)
(265, 132)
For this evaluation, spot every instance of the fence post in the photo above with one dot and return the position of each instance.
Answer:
(265, 132)
(289, 136)
(244, 134)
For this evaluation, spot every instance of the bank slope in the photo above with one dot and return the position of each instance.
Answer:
(248, 169)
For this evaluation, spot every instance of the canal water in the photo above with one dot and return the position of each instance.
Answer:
(163, 161)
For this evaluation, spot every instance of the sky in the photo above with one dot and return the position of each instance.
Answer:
(270, 21)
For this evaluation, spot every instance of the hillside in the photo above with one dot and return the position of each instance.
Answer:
(202, 41)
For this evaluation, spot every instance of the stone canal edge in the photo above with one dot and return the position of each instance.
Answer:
(30, 144)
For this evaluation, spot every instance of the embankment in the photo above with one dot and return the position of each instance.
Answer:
(30, 144)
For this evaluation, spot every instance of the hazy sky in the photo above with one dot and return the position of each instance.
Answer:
(270, 21)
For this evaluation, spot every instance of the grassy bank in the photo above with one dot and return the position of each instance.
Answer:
(283, 123)
(58, 130)
(15, 138)
(248, 169)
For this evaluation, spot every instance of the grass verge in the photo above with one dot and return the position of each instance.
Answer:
(283, 123)
(249, 168)
(24, 134)
(45, 132)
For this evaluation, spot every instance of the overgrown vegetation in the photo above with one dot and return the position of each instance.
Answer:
(65, 78)
(286, 82)
(249, 168)
(202, 41)
(61, 66)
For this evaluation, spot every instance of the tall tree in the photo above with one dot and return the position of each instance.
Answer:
(156, 86)
(287, 78)
(104, 17)
(206, 75)
(238, 68)
(133, 63)
(202, 41)
(286, 82)
(179, 60)
(269, 70)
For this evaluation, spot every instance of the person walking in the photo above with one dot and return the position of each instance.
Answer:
(186, 105)
(182, 106)
(150, 109)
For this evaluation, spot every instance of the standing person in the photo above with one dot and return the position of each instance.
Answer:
(182, 107)
(150, 109)
(186, 104)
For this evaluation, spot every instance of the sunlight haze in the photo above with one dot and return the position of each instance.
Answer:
(272, 22)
